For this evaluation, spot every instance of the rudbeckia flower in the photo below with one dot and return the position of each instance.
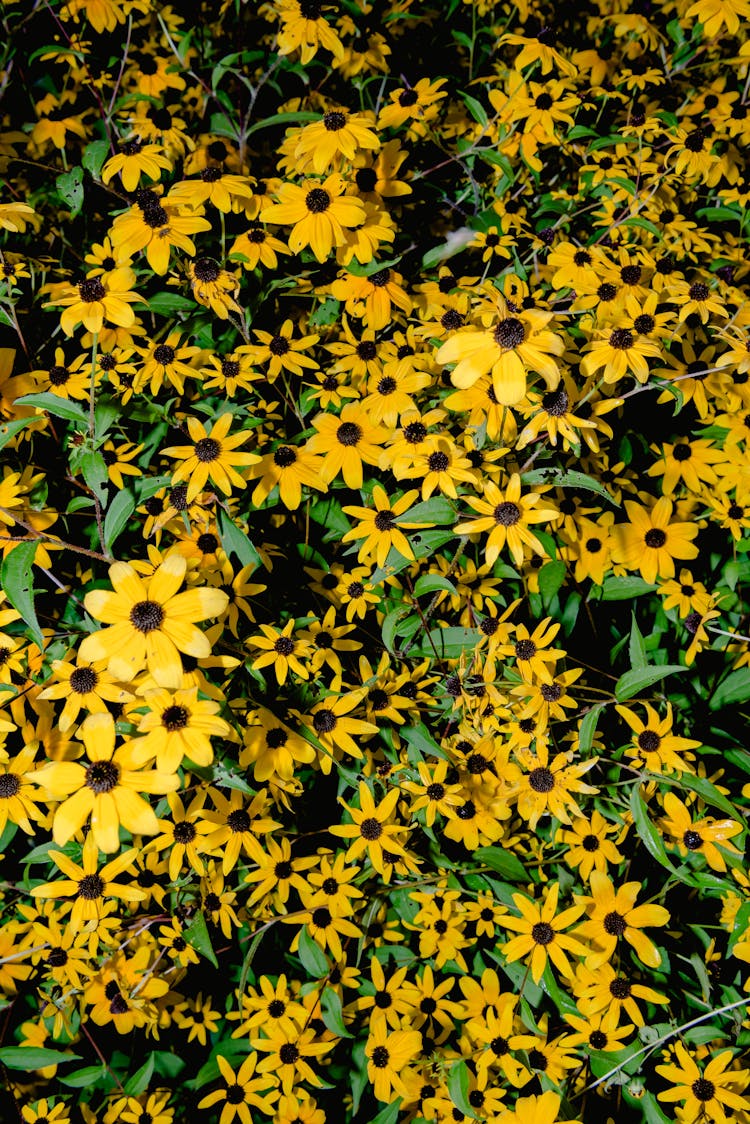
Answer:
(107, 788)
(318, 213)
(212, 456)
(96, 299)
(613, 914)
(517, 344)
(150, 623)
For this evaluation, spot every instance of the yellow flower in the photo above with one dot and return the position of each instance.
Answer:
(150, 623)
(705, 1093)
(154, 226)
(107, 789)
(541, 933)
(135, 160)
(613, 914)
(212, 456)
(214, 287)
(380, 527)
(338, 133)
(507, 515)
(96, 299)
(281, 651)
(650, 543)
(177, 725)
(346, 443)
(388, 1054)
(699, 836)
(304, 28)
(371, 832)
(88, 885)
(517, 344)
(318, 214)
(14, 216)
(654, 745)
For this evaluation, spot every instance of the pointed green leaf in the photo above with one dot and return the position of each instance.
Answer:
(633, 682)
(314, 960)
(196, 935)
(333, 1013)
(17, 579)
(61, 407)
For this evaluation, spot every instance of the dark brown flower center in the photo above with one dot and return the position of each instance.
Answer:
(284, 456)
(91, 887)
(175, 718)
(334, 121)
(370, 829)
(92, 290)
(147, 616)
(102, 776)
(349, 434)
(317, 201)
(542, 780)
(649, 741)
(324, 721)
(207, 450)
(703, 1089)
(614, 924)
(164, 354)
(621, 339)
(10, 785)
(509, 333)
(655, 538)
(692, 840)
(206, 269)
(542, 933)
(507, 514)
(239, 821)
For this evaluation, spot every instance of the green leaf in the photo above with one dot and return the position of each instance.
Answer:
(430, 583)
(139, 1082)
(89, 1075)
(54, 404)
(358, 270)
(449, 643)
(421, 739)
(436, 511)
(95, 474)
(633, 682)
(16, 578)
(165, 303)
(551, 578)
(70, 189)
(9, 429)
(458, 1088)
(391, 625)
(637, 646)
(648, 834)
(94, 156)
(710, 793)
(116, 519)
(325, 314)
(282, 119)
(196, 935)
(333, 1014)
(588, 728)
(622, 589)
(389, 1115)
(475, 108)
(314, 960)
(734, 689)
(504, 863)
(34, 1057)
(236, 542)
(567, 479)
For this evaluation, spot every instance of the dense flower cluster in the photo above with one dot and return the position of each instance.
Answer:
(375, 526)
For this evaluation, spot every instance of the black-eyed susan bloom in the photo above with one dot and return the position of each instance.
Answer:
(382, 527)
(212, 456)
(154, 226)
(650, 542)
(346, 443)
(304, 28)
(84, 687)
(508, 516)
(707, 837)
(88, 884)
(214, 287)
(706, 1094)
(541, 933)
(150, 622)
(338, 133)
(613, 915)
(516, 345)
(106, 787)
(318, 213)
(372, 833)
(177, 725)
(134, 160)
(389, 1054)
(654, 745)
(241, 1090)
(282, 651)
(96, 299)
